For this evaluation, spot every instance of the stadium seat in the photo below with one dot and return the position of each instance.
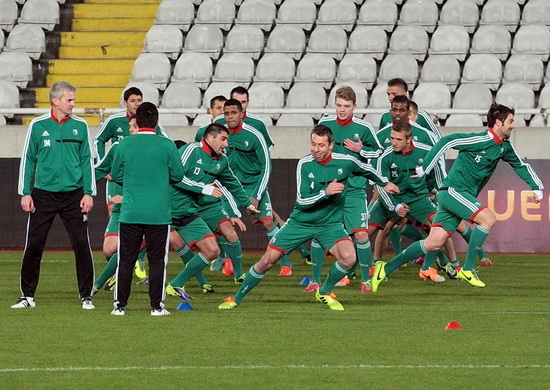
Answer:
(276, 68)
(151, 67)
(501, 12)
(359, 68)
(287, 39)
(316, 68)
(181, 95)
(258, 12)
(379, 98)
(328, 40)
(532, 39)
(538, 120)
(27, 38)
(215, 89)
(544, 97)
(179, 13)
(234, 67)
(1, 42)
(399, 65)
(378, 13)
(218, 12)
(204, 38)
(371, 40)
(464, 120)
(301, 13)
(431, 96)
(245, 38)
(43, 13)
(409, 39)
(194, 66)
(337, 12)
(423, 13)
(150, 92)
(2, 120)
(492, 39)
(9, 95)
(547, 75)
(473, 97)
(536, 12)
(516, 95)
(202, 120)
(524, 68)
(373, 119)
(450, 40)
(464, 13)
(361, 94)
(8, 16)
(165, 39)
(444, 69)
(307, 95)
(266, 95)
(483, 68)
(295, 120)
(173, 120)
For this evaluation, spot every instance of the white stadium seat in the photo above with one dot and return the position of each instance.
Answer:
(378, 99)
(357, 68)
(464, 13)
(266, 95)
(371, 40)
(244, 38)
(464, 120)
(181, 95)
(423, 13)
(536, 12)
(306, 95)
(524, 68)
(151, 67)
(492, 39)
(179, 13)
(337, 12)
(409, 39)
(218, 12)
(43, 13)
(432, 95)
(328, 40)
(27, 38)
(202, 120)
(301, 13)
(378, 13)
(204, 38)
(544, 97)
(149, 90)
(234, 67)
(258, 12)
(445, 69)
(194, 66)
(287, 39)
(9, 95)
(450, 40)
(399, 65)
(473, 97)
(539, 120)
(516, 95)
(295, 120)
(165, 39)
(215, 89)
(532, 39)
(316, 68)
(276, 68)
(483, 68)
(8, 16)
(173, 120)
(16, 67)
(501, 12)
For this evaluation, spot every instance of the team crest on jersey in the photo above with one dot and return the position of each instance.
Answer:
(340, 171)
(75, 132)
(356, 136)
(246, 143)
(420, 161)
(199, 161)
(217, 167)
(45, 134)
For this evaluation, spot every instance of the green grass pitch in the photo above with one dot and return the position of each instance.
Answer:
(279, 337)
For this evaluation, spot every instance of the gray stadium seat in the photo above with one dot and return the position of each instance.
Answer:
(337, 12)
(150, 67)
(43, 13)
(204, 38)
(306, 95)
(218, 12)
(276, 68)
(378, 13)
(524, 68)
(516, 95)
(150, 92)
(464, 13)
(464, 120)
(473, 97)
(179, 13)
(9, 95)
(492, 39)
(301, 13)
(409, 39)
(357, 68)
(423, 13)
(266, 95)
(8, 16)
(445, 69)
(234, 67)
(202, 120)
(378, 99)
(165, 39)
(16, 67)
(244, 38)
(536, 12)
(432, 95)
(27, 38)
(532, 39)
(181, 95)
(316, 68)
(399, 65)
(258, 12)
(483, 68)
(501, 12)
(287, 39)
(372, 40)
(194, 66)
(450, 40)
(544, 97)
(330, 39)
(214, 89)
(539, 120)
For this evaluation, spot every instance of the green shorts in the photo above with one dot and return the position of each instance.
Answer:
(455, 206)
(112, 226)
(213, 214)
(264, 205)
(356, 216)
(292, 234)
(379, 215)
(421, 209)
(194, 231)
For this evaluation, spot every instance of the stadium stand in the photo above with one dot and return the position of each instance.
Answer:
(204, 38)
(16, 67)
(306, 95)
(401, 65)
(245, 38)
(483, 68)
(8, 16)
(26, 38)
(517, 95)
(371, 40)
(492, 39)
(445, 69)
(184, 94)
(43, 13)
(409, 39)
(151, 67)
(532, 39)
(423, 13)
(464, 13)
(316, 68)
(536, 12)
(378, 13)
(501, 12)
(267, 95)
(295, 120)
(450, 40)
(342, 13)
(301, 13)
(525, 68)
(9, 95)
(258, 12)
(330, 39)
(194, 66)
(362, 95)
(179, 13)
(237, 68)
(287, 39)
(359, 68)
(218, 12)
(276, 68)
(432, 95)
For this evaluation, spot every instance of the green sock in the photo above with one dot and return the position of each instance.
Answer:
(395, 240)
(284, 261)
(413, 251)
(317, 259)
(412, 232)
(186, 254)
(478, 237)
(222, 242)
(443, 260)
(364, 258)
(252, 278)
(235, 253)
(336, 272)
(467, 234)
(193, 267)
(429, 260)
(304, 252)
(107, 272)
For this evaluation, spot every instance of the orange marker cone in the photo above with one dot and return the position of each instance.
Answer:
(453, 325)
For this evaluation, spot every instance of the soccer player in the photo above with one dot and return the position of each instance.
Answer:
(322, 179)
(478, 156)
(146, 165)
(354, 137)
(56, 176)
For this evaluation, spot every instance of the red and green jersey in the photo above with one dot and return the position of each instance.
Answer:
(424, 119)
(313, 206)
(478, 156)
(57, 156)
(256, 122)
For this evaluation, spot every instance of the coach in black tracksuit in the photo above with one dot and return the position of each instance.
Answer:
(56, 176)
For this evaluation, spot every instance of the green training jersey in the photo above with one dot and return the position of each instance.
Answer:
(313, 206)
(146, 165)
(424, 119)
(478, 156)
(57, 156)
(256, 122)
(354, 129)
(103, 168)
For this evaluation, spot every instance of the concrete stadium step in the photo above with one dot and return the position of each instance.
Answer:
(102, 38)
(112, 24)
(115, 10)
(95, 96)
(106, 52)
(68, 66)
(91, 80)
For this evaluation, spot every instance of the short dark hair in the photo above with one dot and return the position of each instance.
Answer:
(218, 98)
(214, 129)
(132, 91)
(402, 127)
(323, 131)
(398, 82)
(402, 99)
(240, 90)
(500, 112)
(233, 102)
(147, 115)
